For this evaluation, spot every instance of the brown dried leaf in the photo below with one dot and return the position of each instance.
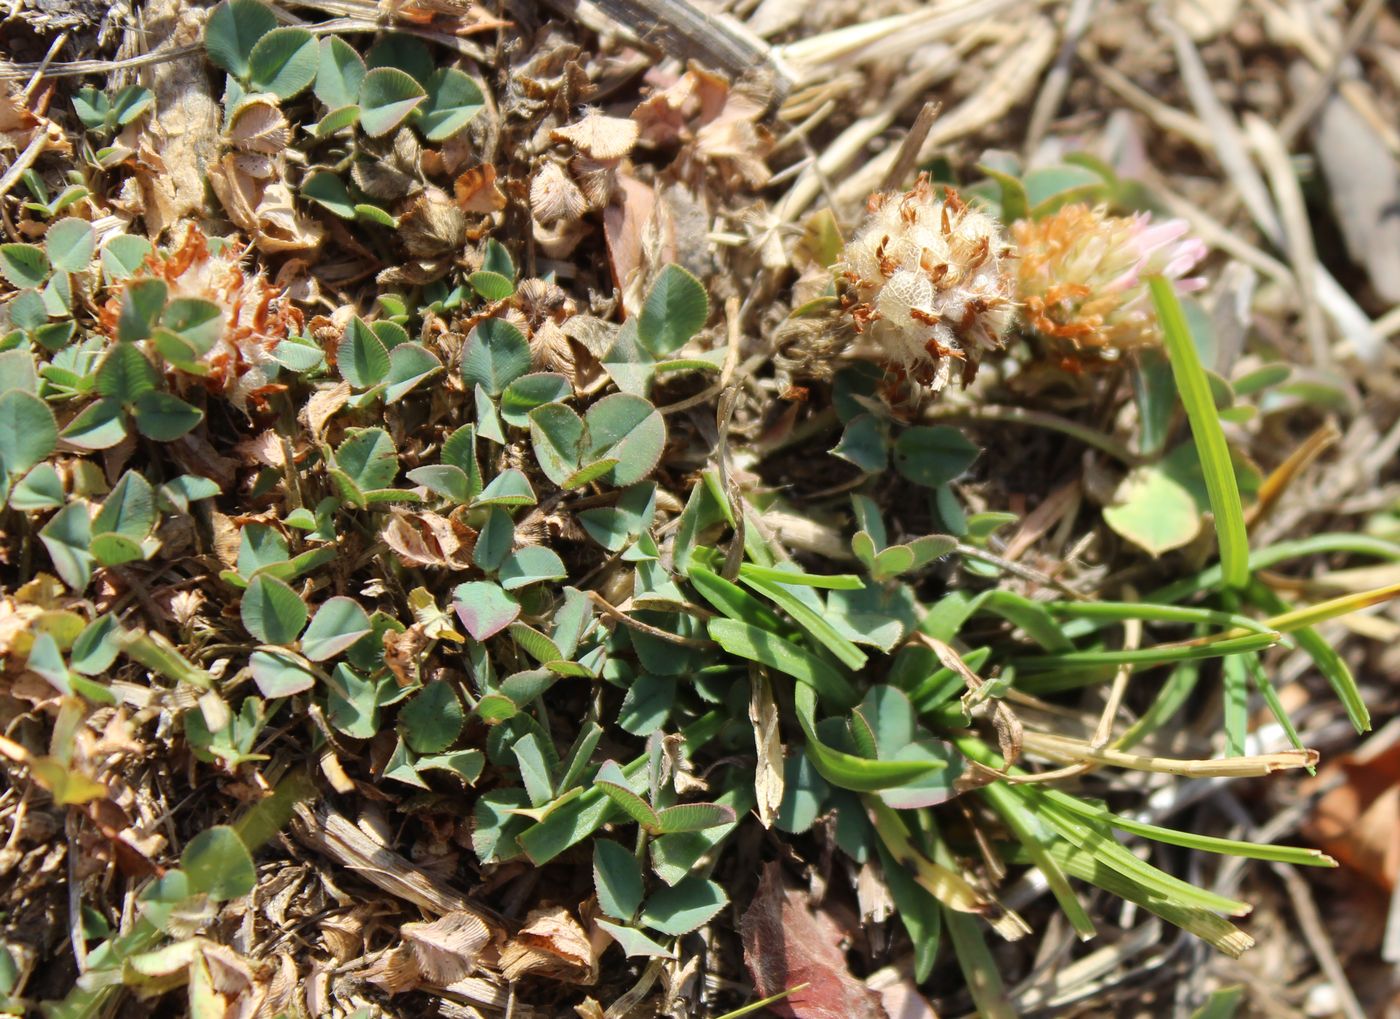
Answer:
(447, 949)
(476, 190)
(554, 197)
(768, 777)
(433, 225)
(786, 944)
(258, 126)
(551, 944)
(600, 137)
(322, 406)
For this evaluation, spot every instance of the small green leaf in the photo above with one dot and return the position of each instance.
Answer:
(28, 431)
(142, 302)
(198, 322)
(125, 373)
(368, 458)
(272, 612)
(128, 105)
(217, 863)
(70, 243)
(233, 30)
(614, 784)
(674, 311)
(495, 355)
(403, 51)
(23, 265)
(617, 878)
(634, 943)
(531, 565)
(338, 623)
(99, 425)
(531, 391)
(387, 96)
(685, 817)
(1153, 511)
(628, 429)
(453, 101)
(40, 489)
(484, 608)
(933, 456)
(556, 435)
(409, 364)
(67, 536)
(361, 357)
(685, 906)
(492, 286)
(123, 255)
(129, 509)
(328, 190)
(433, 719)
(163, 417)
(509, 488)
(339, 74)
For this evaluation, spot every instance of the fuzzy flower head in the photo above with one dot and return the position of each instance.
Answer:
(255, 314)
(1081, 278)
(930, 283)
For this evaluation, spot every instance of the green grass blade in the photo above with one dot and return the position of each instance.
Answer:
(758, 645)
(833, 581)
(1324, 656)
(1035, 840)
(1205, 429)
(810, 620)
(1150, 656)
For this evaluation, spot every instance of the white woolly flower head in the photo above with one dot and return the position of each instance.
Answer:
(930, 283)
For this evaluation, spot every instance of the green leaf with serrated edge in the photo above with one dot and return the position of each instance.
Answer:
(535, 644)
(534, 770)
(628, 429)
(129, 509)
(933, 455)
(99, 425)
(530, 391)
(123, 255)
(683, 907)
(360, 356)
(233, 29)
(509, 488)
(454, 99)
(217, 863)
(199, 323)
(28, 431)
(70, 243)
(443, 480)
(633, 942)
(338, 120)
(271, 611)
(67, 536)
(491, 286)
(368, 458)
(339, 74)
(675, 310)
(484, 608)
(338, 623)
(686, 817)
(283, 62)
(279, 674)
(387, 96)
(24, 265)
(125, 373)
(328, 191)
(143, 300)
(495, 355)
(409, 364)
(617, 879)
(556, 435)
(163, 417)
(614, 784)
(433, 719)
(40, 489)
(531, 565)
(97, 646)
